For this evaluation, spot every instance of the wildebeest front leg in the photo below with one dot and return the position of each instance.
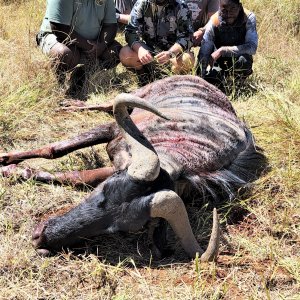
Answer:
(76, 178)
(98, 135)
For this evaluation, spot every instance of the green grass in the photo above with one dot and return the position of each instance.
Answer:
(259, 257)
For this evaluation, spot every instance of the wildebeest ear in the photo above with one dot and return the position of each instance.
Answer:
(145, 164)
(168, 205)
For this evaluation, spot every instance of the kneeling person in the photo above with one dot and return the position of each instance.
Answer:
(73, 29)
(160, 31)
(230, 41)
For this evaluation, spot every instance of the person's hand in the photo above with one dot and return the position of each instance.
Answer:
(144, 56)
(95, 51)
(163, 57)
(197, 37)
(215, 56)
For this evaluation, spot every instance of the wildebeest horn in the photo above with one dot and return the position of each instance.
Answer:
(168, 205)
(145, 162)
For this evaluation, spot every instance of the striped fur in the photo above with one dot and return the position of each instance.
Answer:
(203, 142)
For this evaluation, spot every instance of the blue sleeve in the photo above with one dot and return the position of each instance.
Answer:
(208, 42)
(132, 31)
(207, 46)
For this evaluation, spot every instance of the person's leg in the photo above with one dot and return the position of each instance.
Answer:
(64, 59)
(214, 74)
(243, 65)
(240, 65)
(129, 58)
(232, 70)
(110, 57)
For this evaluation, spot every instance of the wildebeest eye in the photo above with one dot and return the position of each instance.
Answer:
(101, 201)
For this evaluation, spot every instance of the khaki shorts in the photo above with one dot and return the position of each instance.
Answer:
(46, 42)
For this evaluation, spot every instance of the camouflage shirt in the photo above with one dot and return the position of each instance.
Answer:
(160, 27)
(200, 10)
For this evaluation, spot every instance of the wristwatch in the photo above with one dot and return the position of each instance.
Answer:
(172, 54)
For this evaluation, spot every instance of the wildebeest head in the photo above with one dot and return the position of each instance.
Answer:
(127, 200)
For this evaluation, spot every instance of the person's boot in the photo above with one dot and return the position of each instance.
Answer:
(76, 84)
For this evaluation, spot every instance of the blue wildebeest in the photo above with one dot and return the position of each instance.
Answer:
(183, 134)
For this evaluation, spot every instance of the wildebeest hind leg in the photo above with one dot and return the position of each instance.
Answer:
(76, 178)
(101, 134)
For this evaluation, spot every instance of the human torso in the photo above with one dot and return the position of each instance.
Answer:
(159, 24)
(229, 35)
(84, 16)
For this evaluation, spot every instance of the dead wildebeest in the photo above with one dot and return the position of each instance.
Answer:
(182, 132)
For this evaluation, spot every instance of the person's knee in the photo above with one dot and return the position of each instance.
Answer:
(129, 58)
(125, 54)
(244, 64)
(67, 56)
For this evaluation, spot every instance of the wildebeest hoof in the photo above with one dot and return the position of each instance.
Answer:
(43, 252)
(37, 237)
(4, 157)
(9, 170)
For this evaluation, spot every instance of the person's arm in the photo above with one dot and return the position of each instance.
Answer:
(144, 55)
(207, 47)
(184, 34)
(66, 35)
(165, 56)
(123, 18)
(212, 8)
(251, 41)
(133, 32)
(107, 32)
(123, 9)
(106, 37)
(184, 30)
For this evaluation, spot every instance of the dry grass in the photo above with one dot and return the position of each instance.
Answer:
(259, 256)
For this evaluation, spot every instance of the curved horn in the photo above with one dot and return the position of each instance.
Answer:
(145, 162)
(168, 205)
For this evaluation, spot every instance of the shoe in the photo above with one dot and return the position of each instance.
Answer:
(76, 84)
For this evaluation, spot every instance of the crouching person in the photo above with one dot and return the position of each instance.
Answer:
(76, 31)
(159, 33)
(229, 42)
